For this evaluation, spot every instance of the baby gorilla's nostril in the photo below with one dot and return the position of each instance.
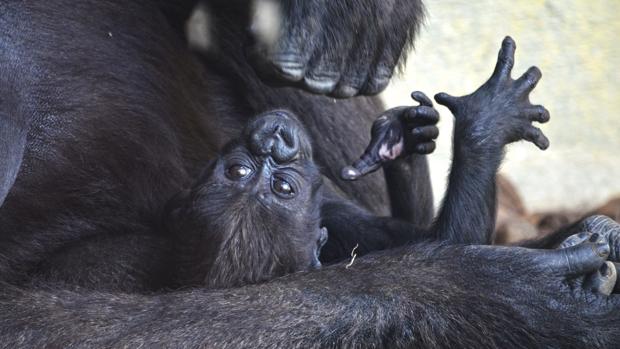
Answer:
(275, 134)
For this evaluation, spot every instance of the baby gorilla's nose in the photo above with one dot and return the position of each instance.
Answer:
(277, 134)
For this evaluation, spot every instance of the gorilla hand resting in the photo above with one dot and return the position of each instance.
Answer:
(254, 213)
(339, 48)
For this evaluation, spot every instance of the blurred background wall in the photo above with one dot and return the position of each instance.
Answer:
(575, 43)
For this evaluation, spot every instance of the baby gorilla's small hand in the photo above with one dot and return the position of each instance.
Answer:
(499, 112)
(398, 133)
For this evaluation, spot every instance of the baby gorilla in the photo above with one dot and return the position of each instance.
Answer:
(254, 214)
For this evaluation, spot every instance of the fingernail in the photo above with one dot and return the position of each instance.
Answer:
(350, 173)
(604, 269)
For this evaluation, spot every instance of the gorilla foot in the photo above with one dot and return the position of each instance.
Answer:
(605, 228)
(600, 229)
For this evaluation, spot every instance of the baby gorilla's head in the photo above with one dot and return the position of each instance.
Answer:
(255, 212)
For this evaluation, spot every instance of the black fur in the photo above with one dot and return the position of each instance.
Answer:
(423, 296)
(120, 117)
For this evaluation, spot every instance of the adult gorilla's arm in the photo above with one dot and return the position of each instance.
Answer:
(340, 48)
(388, 300)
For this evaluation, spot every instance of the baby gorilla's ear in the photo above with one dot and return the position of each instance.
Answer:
(278, 134)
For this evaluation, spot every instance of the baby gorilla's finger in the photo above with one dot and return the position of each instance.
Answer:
(421, 98)
(422, 115)
(505, 60)
(528, 81)
(577, 260)
(365, 165)
(425, 148)
(374, 155)
(537, 113)
(447, 100)
(425, 132)
(603, 280)
(535, 135)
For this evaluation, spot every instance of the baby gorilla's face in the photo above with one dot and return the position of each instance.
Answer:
(261, 205)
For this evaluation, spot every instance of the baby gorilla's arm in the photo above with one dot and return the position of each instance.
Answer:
(497, 113)
(494, 115)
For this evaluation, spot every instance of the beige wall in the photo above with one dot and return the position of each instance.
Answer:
(575, 43)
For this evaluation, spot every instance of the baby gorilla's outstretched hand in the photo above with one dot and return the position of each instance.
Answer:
(398, 133)
(499, 112)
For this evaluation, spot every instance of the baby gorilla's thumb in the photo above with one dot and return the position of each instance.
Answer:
(447, 100)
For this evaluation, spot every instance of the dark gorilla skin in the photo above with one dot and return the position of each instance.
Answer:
(114, 117)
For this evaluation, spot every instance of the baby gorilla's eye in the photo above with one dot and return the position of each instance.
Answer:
(282, 187)
(236, 172)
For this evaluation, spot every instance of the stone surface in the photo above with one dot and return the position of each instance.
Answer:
(575, 43)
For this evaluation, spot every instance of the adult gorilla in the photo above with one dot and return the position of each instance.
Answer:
(109, 115)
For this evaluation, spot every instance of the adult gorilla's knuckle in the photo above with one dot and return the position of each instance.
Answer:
(321, 83)
(289, 66)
